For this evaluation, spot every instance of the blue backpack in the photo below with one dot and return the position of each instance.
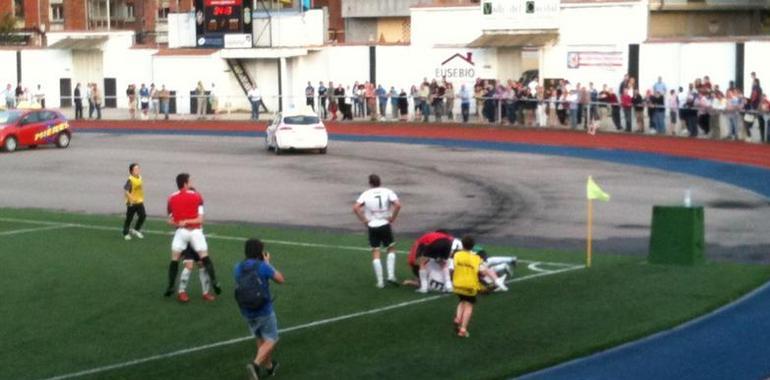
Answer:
(250, 290)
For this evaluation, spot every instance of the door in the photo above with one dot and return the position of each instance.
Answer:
(110, 93)
(65, 92)
(29, 126)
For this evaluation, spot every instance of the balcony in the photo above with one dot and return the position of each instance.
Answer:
(379, 8)
(708, 5)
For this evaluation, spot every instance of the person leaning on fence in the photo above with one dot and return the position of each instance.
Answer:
(394, 98)
(310, 96)
(96, 96)
(164, 97)
(252, 292)
(78, 95)
(322, 99)
(465, 103)
(255, 97)
(403, 105)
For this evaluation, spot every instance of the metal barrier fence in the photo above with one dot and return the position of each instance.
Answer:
(717, 120)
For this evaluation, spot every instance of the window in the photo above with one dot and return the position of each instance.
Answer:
(163, 13)
(18, 9)
(129, 11)
(57, 12)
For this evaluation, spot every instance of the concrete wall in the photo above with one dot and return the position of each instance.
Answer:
(681, 63)
(7, 69)
(756, 56)
(359, 30)
(453, 26)
(378, 8)
(291, 29)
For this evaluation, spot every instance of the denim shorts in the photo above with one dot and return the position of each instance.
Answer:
(264, 327)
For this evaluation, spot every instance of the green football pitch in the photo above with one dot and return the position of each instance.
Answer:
(80, 302)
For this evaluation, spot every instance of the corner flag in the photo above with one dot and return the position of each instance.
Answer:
(593, 191)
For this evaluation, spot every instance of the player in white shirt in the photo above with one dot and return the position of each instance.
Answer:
(377, 208)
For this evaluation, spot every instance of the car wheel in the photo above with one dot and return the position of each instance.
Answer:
(63, 140)
(322, 151)
(33, 147)
(10, 144)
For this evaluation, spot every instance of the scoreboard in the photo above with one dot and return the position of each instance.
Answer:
(223, 16)
(217, 18)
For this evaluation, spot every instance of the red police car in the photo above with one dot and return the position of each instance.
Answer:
(33, 127)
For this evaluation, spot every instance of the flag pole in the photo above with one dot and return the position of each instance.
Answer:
(590, 237)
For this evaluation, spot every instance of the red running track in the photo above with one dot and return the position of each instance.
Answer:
(724, 151)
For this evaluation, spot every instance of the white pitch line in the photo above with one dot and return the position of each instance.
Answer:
(320, 322)
(36, 229)
(238, 238)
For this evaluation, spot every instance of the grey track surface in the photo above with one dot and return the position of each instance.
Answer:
(512, 198)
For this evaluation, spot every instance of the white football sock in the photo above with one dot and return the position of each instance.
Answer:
(392, 266)
(183, 279)
(377, 264)
(423, 280)
(205, 280)
(447, 279)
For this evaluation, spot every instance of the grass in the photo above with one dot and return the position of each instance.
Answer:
(80, 297)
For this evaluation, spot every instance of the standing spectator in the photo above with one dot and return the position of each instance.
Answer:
(541, 116)
(394, 98)
(626, 102)
(754, 101)
(144, 100)
(382, 100)
(673, 110)
(465, 103)
(734, 106)
(19, 94)
(164, 96)
(415, 94)
(403, 105)
(339, 102)
(377, 208)
(310, 96)
(333, 103)
(90, 97)
(593, 110)
(322, 99)
(659, 86)
(131, 95)
(10, 98)
(450, 101)
(348, 99)
(134, 193)
(718, 108)
(255, 97)
(96, 96)
(438, 99)
(424, 101)
(639, 101)
(764, 108)
(703, 105)
(155, 101)
(356, 95)
(623, 85)
(371, 101)
(201, 101)
(612, 100)
(255, 302)
(573, 100)
(681, 97)
(78, 95)
(40, 96)
(584, 97)
(478, 95)
(657, 102)
(213, 101)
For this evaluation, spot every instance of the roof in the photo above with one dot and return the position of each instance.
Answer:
(80, 43)
(513, 39)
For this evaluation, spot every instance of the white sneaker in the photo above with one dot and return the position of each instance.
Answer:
(137, 233)
(127, 237)
(380, 285)
(421, 291)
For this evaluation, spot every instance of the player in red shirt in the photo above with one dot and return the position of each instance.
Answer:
(435, 245)
(185, 212)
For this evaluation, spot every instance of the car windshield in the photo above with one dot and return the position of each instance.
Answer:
(301, 120)
(9, 117)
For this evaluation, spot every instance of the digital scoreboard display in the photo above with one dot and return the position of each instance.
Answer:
(223, 16)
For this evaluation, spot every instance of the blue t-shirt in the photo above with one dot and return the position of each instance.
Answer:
(266, 272)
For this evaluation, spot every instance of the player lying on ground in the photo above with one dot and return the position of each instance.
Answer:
(431, 261)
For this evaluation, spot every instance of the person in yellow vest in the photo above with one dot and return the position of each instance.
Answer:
(465, 281)
(134, 192)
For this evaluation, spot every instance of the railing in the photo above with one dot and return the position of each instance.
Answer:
(710, 122)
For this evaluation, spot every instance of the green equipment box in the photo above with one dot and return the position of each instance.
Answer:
(677, 235)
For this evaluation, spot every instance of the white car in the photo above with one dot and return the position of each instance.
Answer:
(296, 131)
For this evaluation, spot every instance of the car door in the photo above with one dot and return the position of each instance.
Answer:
(29, 126)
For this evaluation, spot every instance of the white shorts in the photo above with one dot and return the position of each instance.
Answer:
(195, 237)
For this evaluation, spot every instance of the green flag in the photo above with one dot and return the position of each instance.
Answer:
(593, 191)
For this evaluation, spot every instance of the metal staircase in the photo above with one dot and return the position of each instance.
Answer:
(236, 67)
